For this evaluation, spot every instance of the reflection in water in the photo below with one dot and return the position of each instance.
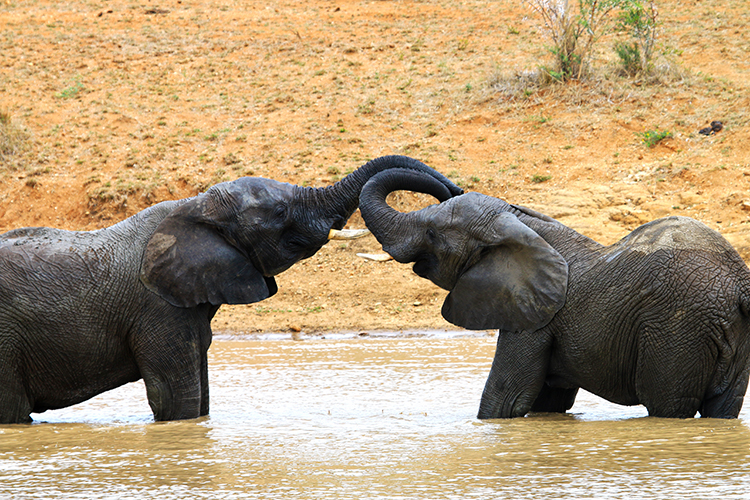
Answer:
(365, 418)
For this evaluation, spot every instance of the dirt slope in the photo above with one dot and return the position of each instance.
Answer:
(125, 104)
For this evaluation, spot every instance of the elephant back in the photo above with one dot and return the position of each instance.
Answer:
(36, 262)
(674, 233)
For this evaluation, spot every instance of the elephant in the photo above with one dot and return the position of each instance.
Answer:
(661, 318)
(83, 312)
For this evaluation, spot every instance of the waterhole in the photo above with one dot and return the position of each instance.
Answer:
(354, 418)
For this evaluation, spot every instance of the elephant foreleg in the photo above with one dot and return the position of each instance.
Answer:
(173, 400)
(554, 399)
(15, 406)
(174, 381)
(204, 385)
(517, 375)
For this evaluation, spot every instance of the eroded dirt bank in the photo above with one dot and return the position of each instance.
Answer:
(127, 103)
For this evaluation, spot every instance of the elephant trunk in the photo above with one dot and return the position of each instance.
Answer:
(340, 200)
(393, 229)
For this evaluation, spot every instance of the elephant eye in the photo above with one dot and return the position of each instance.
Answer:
(431, 235)
(279, 212)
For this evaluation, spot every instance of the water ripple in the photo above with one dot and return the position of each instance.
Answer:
(390, 418)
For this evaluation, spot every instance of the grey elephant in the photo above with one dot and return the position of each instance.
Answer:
(660, 318)
(85, 312)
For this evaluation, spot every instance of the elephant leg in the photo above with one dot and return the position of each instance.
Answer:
(517, 375)
(669, 399)
(172, 372)
(15, 406)
(204, 384)
(728, 403)
(672, 375)
(173, 397)
(554, 399)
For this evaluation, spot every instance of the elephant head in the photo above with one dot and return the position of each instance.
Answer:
(224, 246)
(500, 273)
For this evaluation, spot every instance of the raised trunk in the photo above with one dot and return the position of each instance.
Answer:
(393, 229)
(340, 200)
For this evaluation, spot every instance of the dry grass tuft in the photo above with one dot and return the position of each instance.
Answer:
(607, 86)
(13, 140)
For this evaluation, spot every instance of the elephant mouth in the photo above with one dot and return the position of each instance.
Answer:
(427, 266)
(424, 264)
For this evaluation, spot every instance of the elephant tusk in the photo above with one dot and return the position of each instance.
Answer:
(347, 234)
(377, 257)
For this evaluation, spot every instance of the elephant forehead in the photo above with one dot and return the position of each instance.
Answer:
(256, 191)
(464, 208)
(467, 212)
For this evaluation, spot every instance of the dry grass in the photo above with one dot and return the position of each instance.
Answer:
(13, 141)
(599, 94)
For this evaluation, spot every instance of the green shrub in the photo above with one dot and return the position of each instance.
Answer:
(653, 137)
(573, 28)
(639, 20)
(630, 57)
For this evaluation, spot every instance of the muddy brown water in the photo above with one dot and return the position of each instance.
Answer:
(353, 418)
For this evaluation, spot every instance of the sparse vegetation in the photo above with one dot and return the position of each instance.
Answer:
(638, 19)
(13, 139)
(653, 137)
(573, 27)
(539, 178)
(71, 91)
(231, 159)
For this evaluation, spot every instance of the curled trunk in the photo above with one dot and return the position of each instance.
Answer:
(389, 225)
(340, 200)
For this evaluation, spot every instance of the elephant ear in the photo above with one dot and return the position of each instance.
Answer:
(519, 282)
(188, 262)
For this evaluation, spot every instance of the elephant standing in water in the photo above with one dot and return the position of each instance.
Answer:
(660, 318)
(85, 312)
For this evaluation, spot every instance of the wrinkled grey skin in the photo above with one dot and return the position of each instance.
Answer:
(85, 312)
(660, 318)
